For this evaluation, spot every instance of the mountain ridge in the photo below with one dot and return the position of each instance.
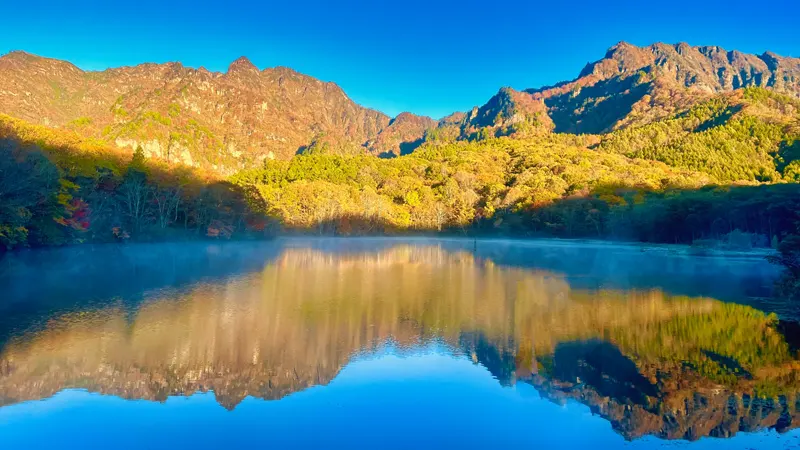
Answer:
(239, 117)
(231, 120)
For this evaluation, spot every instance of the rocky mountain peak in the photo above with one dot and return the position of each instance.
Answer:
(407, 117)
(619, 46)
(20, 55)
(683, 48)
(242, 64)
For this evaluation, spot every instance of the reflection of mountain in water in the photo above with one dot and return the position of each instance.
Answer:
(651, 363)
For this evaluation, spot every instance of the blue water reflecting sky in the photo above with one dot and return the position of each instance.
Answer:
(423, 398)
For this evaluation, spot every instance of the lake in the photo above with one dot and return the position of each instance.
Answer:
(394, 343)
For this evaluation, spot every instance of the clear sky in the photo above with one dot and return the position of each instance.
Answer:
(424, 56)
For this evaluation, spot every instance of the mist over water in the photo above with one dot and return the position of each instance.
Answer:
(474, 343)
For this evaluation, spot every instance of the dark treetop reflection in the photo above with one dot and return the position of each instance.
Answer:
(606, 326)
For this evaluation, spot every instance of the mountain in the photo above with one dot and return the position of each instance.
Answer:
(629, 86)
(224, 121)
(634, 85)
(234, 120)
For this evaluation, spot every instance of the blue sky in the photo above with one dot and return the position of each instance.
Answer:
(427, 57)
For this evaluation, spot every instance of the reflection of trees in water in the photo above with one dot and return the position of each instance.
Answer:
(641, 358)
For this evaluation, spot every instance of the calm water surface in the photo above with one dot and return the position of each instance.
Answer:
(394, 343)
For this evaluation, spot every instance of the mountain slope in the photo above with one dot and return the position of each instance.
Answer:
(751, 134)
(179, 114)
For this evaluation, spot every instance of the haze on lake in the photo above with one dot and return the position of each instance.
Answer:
(392, 343)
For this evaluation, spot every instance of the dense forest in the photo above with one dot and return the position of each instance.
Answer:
(721, 174)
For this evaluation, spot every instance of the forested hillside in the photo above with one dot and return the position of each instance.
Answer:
(726, 164)
(58, 188)
(750, 134)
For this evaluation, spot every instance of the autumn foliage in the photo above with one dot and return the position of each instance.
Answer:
(58, 188)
